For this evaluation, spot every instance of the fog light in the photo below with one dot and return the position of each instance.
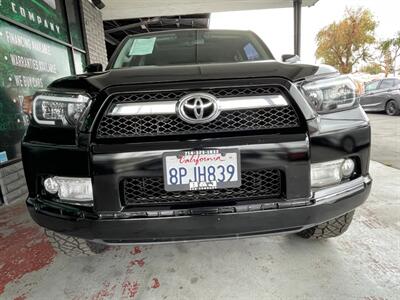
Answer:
(71, 189)
(348, 167)
(51, 185)
(326, 173)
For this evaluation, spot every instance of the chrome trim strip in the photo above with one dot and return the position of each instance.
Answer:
(251, 102)
(332, 194)
(141, 109)
(169, 107)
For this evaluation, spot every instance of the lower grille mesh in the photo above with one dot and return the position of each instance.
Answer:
(256, 184)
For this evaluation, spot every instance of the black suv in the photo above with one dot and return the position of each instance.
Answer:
(195, 134)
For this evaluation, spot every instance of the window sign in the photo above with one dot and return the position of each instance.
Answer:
(46, 16)
(28, 63)
(3, 156)
(142, 46)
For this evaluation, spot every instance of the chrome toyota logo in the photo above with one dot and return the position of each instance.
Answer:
(198, 108)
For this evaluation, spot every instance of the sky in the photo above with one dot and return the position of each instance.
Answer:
(275, 26)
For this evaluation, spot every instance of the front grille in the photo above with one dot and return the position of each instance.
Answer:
(256, 184)
(169, 125)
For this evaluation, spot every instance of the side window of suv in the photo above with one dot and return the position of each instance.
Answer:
(372, 86)
(386, 84)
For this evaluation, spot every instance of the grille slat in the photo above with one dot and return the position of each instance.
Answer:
(170, 125)
(256, 184)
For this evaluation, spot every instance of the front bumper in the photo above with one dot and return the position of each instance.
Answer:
(224, 222)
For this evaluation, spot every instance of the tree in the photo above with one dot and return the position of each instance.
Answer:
(372, 68)
(389, 51)
(345, 43)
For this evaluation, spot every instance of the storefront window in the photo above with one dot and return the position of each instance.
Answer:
(40, 41)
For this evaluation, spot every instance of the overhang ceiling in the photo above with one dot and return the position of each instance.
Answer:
(128, 9)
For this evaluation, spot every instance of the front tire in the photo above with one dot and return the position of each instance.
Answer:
(73, 246)
(392, 108)
(329, 229)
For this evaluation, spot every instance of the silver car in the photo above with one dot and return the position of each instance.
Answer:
(382, 95)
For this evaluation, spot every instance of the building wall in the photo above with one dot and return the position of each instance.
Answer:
(12, 183)
(94, 33)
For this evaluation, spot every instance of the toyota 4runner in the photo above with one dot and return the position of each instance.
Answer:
(191, 135)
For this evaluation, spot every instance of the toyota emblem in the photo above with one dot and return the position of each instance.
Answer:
(198, 108)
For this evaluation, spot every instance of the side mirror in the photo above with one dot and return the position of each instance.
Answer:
(290, 58)
(91, 68)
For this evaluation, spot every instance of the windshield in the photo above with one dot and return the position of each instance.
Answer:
(191, 47)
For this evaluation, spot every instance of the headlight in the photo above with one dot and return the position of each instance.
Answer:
(59, 110)
(330, 94)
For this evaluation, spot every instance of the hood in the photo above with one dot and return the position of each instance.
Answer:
(180, 73)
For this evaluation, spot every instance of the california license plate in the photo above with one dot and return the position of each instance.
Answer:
(201, 170)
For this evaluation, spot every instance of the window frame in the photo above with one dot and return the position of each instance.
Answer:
(71, 48)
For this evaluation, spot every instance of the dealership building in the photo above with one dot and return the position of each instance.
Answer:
(43, 40)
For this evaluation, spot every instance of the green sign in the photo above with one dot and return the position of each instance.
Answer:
(46, 16)
(28, 63)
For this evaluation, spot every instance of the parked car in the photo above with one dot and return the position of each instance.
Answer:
(382, 95)
(192, 135)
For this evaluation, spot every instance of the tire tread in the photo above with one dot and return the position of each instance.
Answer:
(329, 229)
(72, 246)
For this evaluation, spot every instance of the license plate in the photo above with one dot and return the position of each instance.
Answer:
(201, 170)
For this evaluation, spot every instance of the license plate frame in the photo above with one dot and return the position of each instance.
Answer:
(230, 155)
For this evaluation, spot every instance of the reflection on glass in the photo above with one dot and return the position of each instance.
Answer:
(80, 62)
